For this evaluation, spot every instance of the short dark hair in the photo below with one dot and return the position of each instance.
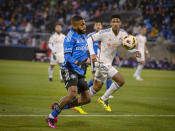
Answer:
(76, 18)
(98, 21)
(58, 24)
(115, 16)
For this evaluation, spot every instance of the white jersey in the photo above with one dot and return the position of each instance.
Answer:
(57, 43)
(141, 41)
(109, 44)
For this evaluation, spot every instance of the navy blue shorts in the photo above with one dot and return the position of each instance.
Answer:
(71, 78)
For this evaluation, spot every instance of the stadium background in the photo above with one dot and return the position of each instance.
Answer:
(25, 27)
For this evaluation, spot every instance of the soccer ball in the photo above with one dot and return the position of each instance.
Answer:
(129, 42)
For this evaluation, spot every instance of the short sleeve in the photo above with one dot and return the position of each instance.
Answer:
(68, 44)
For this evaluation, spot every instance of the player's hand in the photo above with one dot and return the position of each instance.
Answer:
(79, 63)
(88, 61)
(94, 57)
(138, 54)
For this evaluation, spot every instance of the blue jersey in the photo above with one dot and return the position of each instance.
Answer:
(75, 49)
(95, 43)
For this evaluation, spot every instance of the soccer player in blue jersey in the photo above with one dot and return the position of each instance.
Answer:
(73, 70)
(96, 45)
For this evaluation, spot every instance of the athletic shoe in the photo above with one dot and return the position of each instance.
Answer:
(79, 109)
(50, 79)
(135, 75)
(105, 104)
(139, 78)
(50, 122)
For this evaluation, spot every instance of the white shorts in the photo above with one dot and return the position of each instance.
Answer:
(58, 59)
(104, 72)
(142, 58)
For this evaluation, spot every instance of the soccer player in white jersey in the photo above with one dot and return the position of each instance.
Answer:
(110, 40)
(57, 52)
(141, 43)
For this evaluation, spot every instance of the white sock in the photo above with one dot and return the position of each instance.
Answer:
(51, 116)
(50, 72)
(92, 91)
(61, 78)
(114, 87)
(138, 71)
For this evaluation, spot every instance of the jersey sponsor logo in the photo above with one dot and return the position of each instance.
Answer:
(68, 49)
(81, 48)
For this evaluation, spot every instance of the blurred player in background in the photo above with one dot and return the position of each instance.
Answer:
(110, 39)
(73, 70)
(96, 45)
(141, 43)
(57, 52)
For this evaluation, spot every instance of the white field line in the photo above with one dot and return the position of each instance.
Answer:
(32, 115)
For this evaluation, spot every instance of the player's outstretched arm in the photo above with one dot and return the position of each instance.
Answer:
(135, 50)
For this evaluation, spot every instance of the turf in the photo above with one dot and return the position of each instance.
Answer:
(25, 89)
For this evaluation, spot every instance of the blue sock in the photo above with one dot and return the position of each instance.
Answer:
(90, 83)
(55, 113)
(67, 107)
(108, 83)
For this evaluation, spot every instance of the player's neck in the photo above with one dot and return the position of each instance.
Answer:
(115, 32)
(58, 33)
(142, 34)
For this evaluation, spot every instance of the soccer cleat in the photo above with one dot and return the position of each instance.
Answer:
(105, 105)
(139, 78)
(135, 75)
(79, 109)
(50, 122)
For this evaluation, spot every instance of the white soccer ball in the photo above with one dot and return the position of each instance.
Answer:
(129, 42)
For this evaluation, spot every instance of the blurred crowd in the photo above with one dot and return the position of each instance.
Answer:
(18, 18)
(152, 63)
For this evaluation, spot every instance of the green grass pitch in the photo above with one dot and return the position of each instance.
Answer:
(25, 90)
